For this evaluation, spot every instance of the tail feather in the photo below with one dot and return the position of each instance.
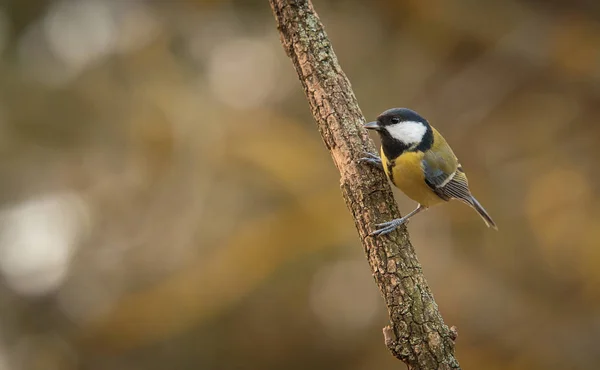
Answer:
(484, 215)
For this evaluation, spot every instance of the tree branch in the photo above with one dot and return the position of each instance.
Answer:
(417, 334)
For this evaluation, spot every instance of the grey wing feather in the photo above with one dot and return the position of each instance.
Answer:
(434, 177)
(457, 188)
(436, 170)
(446, 185)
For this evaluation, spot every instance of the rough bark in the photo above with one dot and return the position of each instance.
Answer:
(417, 334)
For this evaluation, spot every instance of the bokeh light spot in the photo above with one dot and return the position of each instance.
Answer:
(81, 32)
(37, 241)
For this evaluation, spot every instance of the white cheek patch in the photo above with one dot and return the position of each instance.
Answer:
(408, 132)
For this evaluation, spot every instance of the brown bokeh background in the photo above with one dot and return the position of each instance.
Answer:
(166, 201)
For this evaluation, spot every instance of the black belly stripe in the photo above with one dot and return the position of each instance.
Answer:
(390, 171)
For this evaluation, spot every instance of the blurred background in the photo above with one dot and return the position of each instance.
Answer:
(167, 203)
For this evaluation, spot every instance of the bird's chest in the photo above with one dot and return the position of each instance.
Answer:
(406, 173)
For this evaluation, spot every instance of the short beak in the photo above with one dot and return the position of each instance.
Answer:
(371, 125)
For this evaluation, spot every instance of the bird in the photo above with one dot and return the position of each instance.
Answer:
(417, 159)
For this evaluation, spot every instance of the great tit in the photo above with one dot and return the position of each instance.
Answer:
(418, 161)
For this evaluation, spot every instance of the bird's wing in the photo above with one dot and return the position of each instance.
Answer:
(446, 177)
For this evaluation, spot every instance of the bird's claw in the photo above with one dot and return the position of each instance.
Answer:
(387, 227)
(369, 155)
(372, 159)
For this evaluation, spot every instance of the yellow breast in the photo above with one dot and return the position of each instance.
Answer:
(406, 173)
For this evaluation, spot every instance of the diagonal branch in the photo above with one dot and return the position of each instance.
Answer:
(417, 334)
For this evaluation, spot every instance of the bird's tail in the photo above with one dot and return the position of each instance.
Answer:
(484, 215)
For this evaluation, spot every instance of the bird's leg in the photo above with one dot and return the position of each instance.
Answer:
(388, 227)
(372, 159)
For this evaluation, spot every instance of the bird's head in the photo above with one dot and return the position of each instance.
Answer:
(401, 125)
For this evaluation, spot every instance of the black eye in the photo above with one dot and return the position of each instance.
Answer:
(395, 120)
